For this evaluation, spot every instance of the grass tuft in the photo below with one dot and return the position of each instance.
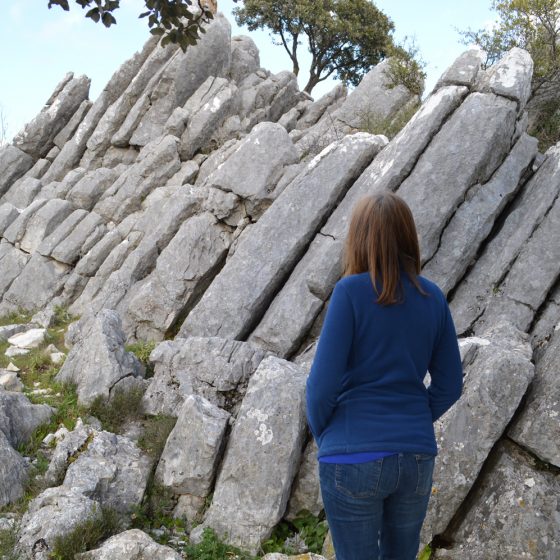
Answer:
(123, 406)
(142, 351)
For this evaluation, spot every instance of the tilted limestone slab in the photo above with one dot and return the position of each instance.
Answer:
(74, 148)
(189, 458)
(13, 472)
(12, 262)
(546, 322)
(476, 289)
(23, 192)
(13, 164)
(8, 214)
(37, 138)
(243, 288)
(98, 359)
(214, 368)
(513, 513)
(448, 168)
(464, 70)
(133, 544)
(245, 58)
(294, 309)
(473, 220)
(87, 191)
(495, 383)
(261, 458)
(15, 231)
(537, 428)
(68, 131)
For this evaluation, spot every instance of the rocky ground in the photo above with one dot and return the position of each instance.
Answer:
(192, 218)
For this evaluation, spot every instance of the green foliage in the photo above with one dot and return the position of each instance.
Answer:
(345, 37)
(8, 541)
(156, 431)
(122, 407)
(426, 553)
(547, 126)
(211, 548)
(371, 122)
(86, 535)
(173, 20)
(142, 351)
(308, 528)
(406, 67)
(16, 318)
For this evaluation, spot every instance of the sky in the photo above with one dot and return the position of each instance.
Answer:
(39, 46)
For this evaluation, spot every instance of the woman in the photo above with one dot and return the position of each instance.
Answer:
(367, 406)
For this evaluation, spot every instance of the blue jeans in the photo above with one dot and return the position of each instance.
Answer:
(375, 510)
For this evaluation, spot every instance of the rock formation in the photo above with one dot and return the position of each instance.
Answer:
(201, 203)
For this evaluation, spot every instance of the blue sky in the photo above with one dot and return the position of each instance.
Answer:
(39, 45)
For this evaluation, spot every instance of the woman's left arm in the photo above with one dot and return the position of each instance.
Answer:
(324, 383)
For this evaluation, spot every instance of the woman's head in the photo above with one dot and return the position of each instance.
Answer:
(381, 238)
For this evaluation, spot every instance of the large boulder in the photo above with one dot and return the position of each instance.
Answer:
(13, 473)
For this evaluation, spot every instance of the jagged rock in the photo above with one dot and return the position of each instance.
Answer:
(474, 219)
(510, 77)
(187, 174)
(9, 381)
(214, 368)
(98, 359)
(55, 512)
(245, 58)
(473, 294)
(13, 163)
(262, 455)
(315, 110)
(13, 472)
(447, 169)
(294, 309)
(306, 492)
(19, 418)
(513, 512)
(277, 240)
(15, 231)
(31, 338)
(206, 109)
(8, 214)
(254, 168)
(23, 192)
(464, 70)
(189, 459)
(87, 191)
(495, 383)
(111, 470)
(37, 138)
(130, 545)
(6, 331)
(537, 428)
(68, 131)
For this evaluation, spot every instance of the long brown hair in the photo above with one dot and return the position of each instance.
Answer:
(381, 238)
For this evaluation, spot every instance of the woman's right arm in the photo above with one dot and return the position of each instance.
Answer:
(446, 370)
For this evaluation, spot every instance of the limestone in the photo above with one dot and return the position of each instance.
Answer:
(189, 459)
(98, 359)
(28, 339)
(13, 472)
(207, 109)
(87, 191)
(447, 168)
(263, 451)
(133, 544)
(179, 277)
(214, 368)
(111, 470)
(23, 192)
(10, 381)
(19, 418)
(254, 168)
(474, 219)
(8, 214)
(510, 76)
(537, 427)
(245, 58)
(306, 491)
(16, 230)
(187, 174)
(55, 512)
(37, 138)
(68, 131)
(513, 513)
(464, 70)
(495, 383)
(277, 240)
(13, 163)
(7, 331)
(535, 199)
(157, 161)
(315, 110)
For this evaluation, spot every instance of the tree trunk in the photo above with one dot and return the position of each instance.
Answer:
(313, 81)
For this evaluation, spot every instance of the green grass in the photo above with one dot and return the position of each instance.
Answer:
(16, 318)
(426, 553)
(372, 123)
(123, 407)
(212, 548)
(156, 431)
(142, 351)
(8, 540)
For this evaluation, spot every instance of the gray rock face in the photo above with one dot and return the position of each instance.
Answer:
(37, 138)
(13, 472)
(23, 192)
(130, 545)
(190, 456)
(254, 482)
(8, 214)
(87, 191)
(245, 58)
(55, 512)
(68, 131)
(111, 470)
(277, 240)
(98, 359)
(214, 368)
(316, 110)
(537, 427)
(19, 418)
(254, 168)
(14, 163)
(495, 382)
(464, 71)
(514, 512)
(13, 262)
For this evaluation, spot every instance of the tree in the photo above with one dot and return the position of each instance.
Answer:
(345, 37)
(175, 20)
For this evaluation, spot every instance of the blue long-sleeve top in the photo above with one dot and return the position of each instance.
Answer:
(365, 391)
